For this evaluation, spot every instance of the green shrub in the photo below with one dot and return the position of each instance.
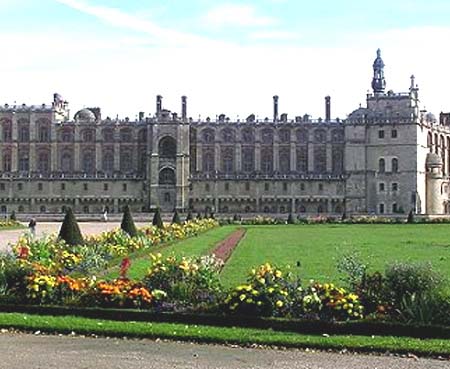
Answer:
(70, 231)
(291, 219)
(157, 221)
(127, 224)
(176, 218)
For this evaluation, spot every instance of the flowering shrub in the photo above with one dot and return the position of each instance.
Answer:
(5, 223)
(186, 281)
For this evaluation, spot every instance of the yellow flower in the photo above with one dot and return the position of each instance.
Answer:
(242, 297)
(279, 304)
(278, 274)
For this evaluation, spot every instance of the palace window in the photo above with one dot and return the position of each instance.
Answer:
(7, 161)
(302, 159)
(266, 187)
(381, 165)
(381, 133)
(126, 161)
(105, 187)
(40, 187)
(320, 159)
(66, 162)
(63, 186)
(320, 187)
(266, 161)
(320, 135)
(88, 135)
(394, 208)
(208, 136)
(124, 187)
(85, 186)
(337, 160)
(381, 187)
(381, 208)
(228, 135)
(108, 135)
(227, 187)
(302, 209)
(267, 137)
(394, 187)
(394, 165)
(302, 187)
(302, 136)
(247, 186)
(285, 136)
(44, 134)
(248, 136)
(394, 133)
(285, 160)
(248, 159)
(19, 186)
(24, 134)
(167, 177)
(43, 162)
(208, 161)
(2, 187)
(88, 163)
(285, 187)
(126, 135)
(108, 161)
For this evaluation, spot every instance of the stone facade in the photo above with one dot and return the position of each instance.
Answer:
(388, 157)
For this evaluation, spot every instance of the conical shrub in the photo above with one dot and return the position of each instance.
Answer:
(410, 217)
(344, 216)
(157, 221)
(70, 231)
(189, 216)
(199, 216)
(176, 218)
(13, 216)
(290, 219)
(127, 224)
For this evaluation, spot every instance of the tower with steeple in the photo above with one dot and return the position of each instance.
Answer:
(378, 81)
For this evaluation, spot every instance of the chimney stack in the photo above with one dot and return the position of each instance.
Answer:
(275, 108)
(184, 108)
(158, 105)
(327, 108)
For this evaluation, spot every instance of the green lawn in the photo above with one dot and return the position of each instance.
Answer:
(223, 335)
(194, 246)
(318, 247)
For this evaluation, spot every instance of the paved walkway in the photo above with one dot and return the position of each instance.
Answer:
(11, 236)
(52, 352)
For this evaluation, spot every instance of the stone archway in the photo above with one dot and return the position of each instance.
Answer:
(167, 189)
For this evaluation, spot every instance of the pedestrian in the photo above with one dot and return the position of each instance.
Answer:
(32, 227)
(105, 216)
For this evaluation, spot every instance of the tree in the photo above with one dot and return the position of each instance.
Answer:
(157, 221)
(189, 216)
(176, 218)
(70, 231)
(127, 224)
(290, 219)
(410, 217)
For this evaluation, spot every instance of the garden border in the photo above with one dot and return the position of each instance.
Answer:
(314, 327)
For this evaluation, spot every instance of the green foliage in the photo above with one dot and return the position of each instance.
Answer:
(70, 231)
(127, 224)
(176, 218)
(157, 220)
(352, 269)
(189, 216)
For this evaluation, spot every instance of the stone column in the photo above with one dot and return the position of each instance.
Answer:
(276, 156)
(116, 156)
(98, 156)
(217, 157)
(238, 157)
(257, 157)
(329, 158)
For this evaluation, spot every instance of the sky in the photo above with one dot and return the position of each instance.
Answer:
(228, 57)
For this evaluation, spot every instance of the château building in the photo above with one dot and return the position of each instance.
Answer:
(385, 158)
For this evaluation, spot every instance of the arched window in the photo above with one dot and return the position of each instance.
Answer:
(167, 177)
(394, 165)
(7, 130)
(126, 135)
(126, 161)
(108, 161)
(44, 133)
(66, 162)
(24, 133)
(228, 135)
(167, 197)
(6, 161)
(88, 135)
(208, 161)
(142, 135)
(381, 165)
(108, 135)
(285, 160)
(302, 136)
(66, 135)
(167, 147)
(248, 136)
(228, 160)
(320, 135)
(43, 164)
(285, 136)
(337, 160)
(267, 136)
(88, 162)
(266, 161)
(208, 136)
(24, 161)
(248, 159)
(302, 159)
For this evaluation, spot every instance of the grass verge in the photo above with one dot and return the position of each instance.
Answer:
(222, 335)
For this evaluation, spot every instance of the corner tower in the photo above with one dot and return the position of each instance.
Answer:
(378, 81)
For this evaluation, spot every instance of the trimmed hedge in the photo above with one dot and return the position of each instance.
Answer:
(361, 328)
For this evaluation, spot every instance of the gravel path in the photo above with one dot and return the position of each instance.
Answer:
(53, 352)
(11, 236)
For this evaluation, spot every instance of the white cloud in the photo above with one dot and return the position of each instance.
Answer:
(274, 36)
(236, 15)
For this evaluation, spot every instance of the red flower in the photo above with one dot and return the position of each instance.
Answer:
(124, 266)
(24, 252)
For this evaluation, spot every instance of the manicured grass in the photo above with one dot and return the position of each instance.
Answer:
(193, 246)
(318, 247)
(223, 335)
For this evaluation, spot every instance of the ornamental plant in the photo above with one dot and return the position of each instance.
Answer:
(70, 231)
(127, 224)
(157, 221)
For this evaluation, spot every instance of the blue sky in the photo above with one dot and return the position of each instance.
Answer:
(228, 56)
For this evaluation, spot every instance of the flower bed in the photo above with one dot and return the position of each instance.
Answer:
(8, 223)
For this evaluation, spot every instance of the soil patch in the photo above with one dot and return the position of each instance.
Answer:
(225, 248)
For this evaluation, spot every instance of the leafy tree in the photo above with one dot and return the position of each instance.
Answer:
(157, 221)
(176, 218)
(127, 224)
(70, 231)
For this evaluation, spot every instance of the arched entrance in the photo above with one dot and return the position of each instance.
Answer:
(167, 189)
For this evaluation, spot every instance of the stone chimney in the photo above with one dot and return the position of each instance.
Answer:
(184, 108)
(327, 108)
(275, 108)
(158, 105)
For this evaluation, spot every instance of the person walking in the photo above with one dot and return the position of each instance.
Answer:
(105, 216)
(32, 227)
